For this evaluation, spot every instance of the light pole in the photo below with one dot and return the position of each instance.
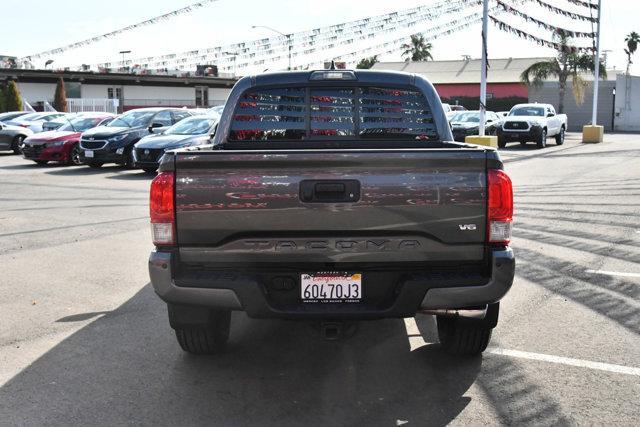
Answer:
(234, 55)
(483, 71)
(594, 132)
(123, 53)
(596, 65)
(288, 36)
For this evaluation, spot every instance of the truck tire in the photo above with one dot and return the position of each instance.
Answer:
(502, 142)
(542, 139)
(208, 338)
(560, 137)
(467, 337)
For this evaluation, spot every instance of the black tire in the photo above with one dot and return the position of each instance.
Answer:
(209, 338)
(74, 156)
(17, 142)
(95, 165)
(41, 162)
(150, 169)
(467, 337)
(542, 139)
(560, 137)
(523, 143)
(502, 142)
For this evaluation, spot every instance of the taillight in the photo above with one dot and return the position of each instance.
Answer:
(162, 209)
(500, 206)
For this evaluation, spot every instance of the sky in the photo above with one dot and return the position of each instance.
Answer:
(32, 26)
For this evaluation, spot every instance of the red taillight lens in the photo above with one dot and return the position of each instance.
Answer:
(162, 209)
(500, 206)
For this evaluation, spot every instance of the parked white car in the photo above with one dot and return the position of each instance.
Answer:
(34, 121)
(532, 122)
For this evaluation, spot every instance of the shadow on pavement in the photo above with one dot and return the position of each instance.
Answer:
(84, 170)
(133, 176)
(126, 367)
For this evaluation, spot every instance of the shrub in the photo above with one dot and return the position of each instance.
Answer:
(13, 99)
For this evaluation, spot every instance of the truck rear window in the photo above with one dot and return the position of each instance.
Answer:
(317, 113)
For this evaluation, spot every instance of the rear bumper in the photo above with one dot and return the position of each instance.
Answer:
(237, 291)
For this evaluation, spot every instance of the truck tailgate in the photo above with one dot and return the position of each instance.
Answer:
(331, 206)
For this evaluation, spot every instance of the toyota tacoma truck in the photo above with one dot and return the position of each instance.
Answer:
(532, 122)
(332, 196)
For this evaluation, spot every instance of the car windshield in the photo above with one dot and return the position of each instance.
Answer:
(466, 118)
(527, 111)
(192, 126)
(133, 119)
(28, 117)
(80, 124)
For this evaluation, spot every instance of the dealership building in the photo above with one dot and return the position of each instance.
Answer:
(119, 92)
(458, 82)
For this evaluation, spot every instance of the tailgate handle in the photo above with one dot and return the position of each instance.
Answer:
(330, 191)
(330, 188)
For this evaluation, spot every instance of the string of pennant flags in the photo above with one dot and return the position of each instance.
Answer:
(569, 33)
(563, 12)
(119, 31)
(538, 40)
(314, 37)
(331, 41)
(262, 52)
(584, 4)
(430, 35)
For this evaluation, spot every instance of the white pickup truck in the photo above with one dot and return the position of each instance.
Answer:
(532, 122)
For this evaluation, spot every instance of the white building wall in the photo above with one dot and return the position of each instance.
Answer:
(93, 91)
(218, 96)
(627, 107)
(134, 95)
(36, 92)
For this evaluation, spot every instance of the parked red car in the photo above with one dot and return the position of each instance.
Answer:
(61, 145)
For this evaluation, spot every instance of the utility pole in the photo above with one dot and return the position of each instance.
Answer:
(483, 71)
(596, 64)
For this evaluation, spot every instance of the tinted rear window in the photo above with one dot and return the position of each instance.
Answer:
(318, 113)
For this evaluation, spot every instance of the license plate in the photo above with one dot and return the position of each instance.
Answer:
(331, 287)
(88, 153)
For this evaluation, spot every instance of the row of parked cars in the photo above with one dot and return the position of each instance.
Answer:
(137, 138)
(523, 123)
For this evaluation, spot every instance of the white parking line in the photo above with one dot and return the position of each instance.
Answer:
(566, 361)
(614, 273)
(416, 341)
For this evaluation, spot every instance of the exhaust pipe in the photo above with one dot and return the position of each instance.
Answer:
(468, 313)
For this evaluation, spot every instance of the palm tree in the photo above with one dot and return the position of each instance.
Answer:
(366, 63)
(418, 49)
(568, 63)
(632, 41)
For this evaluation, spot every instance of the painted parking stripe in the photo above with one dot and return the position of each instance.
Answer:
(614, 273)
(416, 341)
(566, 361)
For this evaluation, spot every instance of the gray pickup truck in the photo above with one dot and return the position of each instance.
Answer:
(332, 196)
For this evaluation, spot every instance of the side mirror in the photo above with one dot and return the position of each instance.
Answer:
(153, 126)
(550, 114)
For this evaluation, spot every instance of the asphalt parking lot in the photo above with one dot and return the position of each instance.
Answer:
(84, 340)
